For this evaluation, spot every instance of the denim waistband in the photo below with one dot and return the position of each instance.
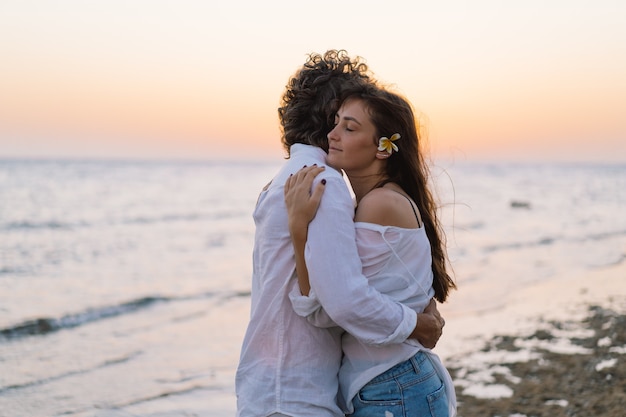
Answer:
(412, 364)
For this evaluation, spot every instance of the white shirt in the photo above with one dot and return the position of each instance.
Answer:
(287, 365)
(397, 262)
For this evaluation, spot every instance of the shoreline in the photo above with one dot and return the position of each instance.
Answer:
(555, 349)
(523, 360)
(557, 299)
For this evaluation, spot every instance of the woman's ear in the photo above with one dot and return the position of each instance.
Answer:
(382, 155)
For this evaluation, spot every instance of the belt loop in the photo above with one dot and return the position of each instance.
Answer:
(414, 363)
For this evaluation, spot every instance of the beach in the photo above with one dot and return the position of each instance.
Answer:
(125, 286)
(556, 349)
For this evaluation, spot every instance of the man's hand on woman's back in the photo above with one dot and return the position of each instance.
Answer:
(429, 326)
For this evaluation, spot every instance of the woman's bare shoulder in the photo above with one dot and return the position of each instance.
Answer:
(386, 207)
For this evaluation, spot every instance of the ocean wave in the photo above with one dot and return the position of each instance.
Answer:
(44, 325)
(108, 362)
(185, 217)
(519, 245)
(27, 225)
(10, 270)
(549, 240)
(31, 225)
(605, 235)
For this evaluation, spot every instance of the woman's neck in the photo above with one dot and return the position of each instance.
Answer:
(363, 183)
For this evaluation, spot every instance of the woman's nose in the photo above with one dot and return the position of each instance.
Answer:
(332, 135)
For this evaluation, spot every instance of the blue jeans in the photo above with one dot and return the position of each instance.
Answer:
(409, 389)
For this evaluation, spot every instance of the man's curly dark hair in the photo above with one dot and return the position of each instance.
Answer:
(312, 96)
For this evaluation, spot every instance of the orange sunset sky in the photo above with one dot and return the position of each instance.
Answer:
(509, 80)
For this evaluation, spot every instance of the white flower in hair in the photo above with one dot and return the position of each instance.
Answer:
(386, 144)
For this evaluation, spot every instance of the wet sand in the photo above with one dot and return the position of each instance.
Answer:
(556, 349)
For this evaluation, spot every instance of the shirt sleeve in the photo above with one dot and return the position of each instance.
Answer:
(336, 278)
(310, 308)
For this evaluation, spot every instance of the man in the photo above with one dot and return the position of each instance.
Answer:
(287, 366)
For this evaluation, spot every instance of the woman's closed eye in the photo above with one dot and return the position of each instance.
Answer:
(349, 126)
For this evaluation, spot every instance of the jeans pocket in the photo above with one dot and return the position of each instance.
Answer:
(383, 393)
(438, 402)
(377, 403)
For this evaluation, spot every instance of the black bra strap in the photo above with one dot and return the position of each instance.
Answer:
(419, 223)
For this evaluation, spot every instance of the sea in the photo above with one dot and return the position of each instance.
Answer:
(125, 284)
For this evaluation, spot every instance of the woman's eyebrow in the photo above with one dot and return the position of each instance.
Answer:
(350, 118)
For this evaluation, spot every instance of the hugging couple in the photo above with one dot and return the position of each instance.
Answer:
(343, 314)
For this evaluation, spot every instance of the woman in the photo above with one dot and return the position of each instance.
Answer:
(375, 141)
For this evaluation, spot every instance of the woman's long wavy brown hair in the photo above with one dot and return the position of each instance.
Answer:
(391, 113)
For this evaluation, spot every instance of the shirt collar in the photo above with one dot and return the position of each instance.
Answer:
(302, 149)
